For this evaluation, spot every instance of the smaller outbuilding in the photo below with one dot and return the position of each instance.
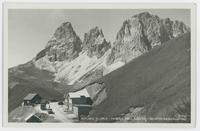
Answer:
(37, 118)
(34, 119)
(32, 99)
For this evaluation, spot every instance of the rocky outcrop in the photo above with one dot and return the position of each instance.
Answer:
(175, 28)
(64, 45)
(138, 35)
(130, 42)
(141, 33)
(94, 43)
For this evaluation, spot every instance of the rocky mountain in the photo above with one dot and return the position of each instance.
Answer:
(138, 35)
(95, 43)
(141, 33)
(65, 45)
(70, 59)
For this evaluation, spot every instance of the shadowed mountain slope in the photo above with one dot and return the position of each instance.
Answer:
(25, 79)
(158, 81)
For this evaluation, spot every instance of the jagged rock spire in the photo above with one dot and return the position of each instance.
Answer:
(64, 45)
(95, 43)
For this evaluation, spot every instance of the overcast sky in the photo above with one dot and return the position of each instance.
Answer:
(30, 29)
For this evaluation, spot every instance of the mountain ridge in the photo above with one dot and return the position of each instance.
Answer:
(141, 33)
(138, 35)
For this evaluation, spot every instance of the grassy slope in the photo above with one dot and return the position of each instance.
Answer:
(156, 80)
(25, 79)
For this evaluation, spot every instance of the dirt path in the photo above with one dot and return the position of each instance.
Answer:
(60, 114)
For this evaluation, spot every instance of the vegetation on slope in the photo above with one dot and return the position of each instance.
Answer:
(157, 81)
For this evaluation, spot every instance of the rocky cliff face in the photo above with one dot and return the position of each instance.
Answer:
(69, 58)
(64, 45)
(138, 35)
(174, 28)
(95, 43)
(141, 33)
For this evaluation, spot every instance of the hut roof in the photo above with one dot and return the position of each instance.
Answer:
(30, 96)
(79, 94)
(34, 118)
(82, 105)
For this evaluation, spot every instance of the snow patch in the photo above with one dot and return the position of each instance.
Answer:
(74, 70)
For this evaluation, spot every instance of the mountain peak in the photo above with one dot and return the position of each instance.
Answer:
(64, 45)
(142, 32)
(142, 15)
(95, 43)
(64, 32)
(67, 24)
(96, 31)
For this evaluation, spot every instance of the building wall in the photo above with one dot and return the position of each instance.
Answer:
(43, 107)
(27, 102)
(69, 102)
(79, 101)
(81, 110)
(84, 110)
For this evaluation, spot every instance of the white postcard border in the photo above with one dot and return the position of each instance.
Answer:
(191, 6)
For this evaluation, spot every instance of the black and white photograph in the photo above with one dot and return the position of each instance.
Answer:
(93, 65)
